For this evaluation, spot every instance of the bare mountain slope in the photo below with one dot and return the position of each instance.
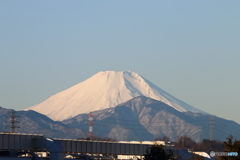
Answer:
(105, 90)
(143, 118)
(32, 122)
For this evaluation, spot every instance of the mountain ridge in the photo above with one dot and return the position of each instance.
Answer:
(144, 119)
(105, 90)
(139, 119)
(32, 122)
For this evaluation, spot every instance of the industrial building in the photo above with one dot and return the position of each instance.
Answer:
(16, 146)
(30, 146)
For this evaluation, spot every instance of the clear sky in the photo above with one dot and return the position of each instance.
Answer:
(191, 49)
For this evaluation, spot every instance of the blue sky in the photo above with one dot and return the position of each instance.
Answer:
(188, 48)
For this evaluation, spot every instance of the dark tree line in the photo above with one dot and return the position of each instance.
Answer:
(97, 138)
(186, 143)
(157, 152)
(231, 145)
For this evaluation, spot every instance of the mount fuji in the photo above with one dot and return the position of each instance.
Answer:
(105, 90)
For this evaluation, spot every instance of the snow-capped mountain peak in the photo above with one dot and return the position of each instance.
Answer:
(105, 90)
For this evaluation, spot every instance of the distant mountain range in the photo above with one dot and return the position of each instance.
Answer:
(125, 106)
(143, 118)
(32, 122)
(139, 119)
(105, 90)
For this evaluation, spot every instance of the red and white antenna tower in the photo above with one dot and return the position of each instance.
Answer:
(90, 123)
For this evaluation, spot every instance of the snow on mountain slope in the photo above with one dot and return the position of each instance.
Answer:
(104, 90)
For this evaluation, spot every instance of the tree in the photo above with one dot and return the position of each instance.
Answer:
(209, 145)
(157, 152)
(231, 145)
(164, 138)
(185, 142)
(97, 138)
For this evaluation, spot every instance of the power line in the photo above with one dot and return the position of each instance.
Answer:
(133, 124)
(139, 126)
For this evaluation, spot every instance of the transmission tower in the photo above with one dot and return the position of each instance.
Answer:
(12, 121)
(90, 123)
(211, 127)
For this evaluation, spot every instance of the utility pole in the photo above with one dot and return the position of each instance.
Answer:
(12, 121)
(211, 126)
